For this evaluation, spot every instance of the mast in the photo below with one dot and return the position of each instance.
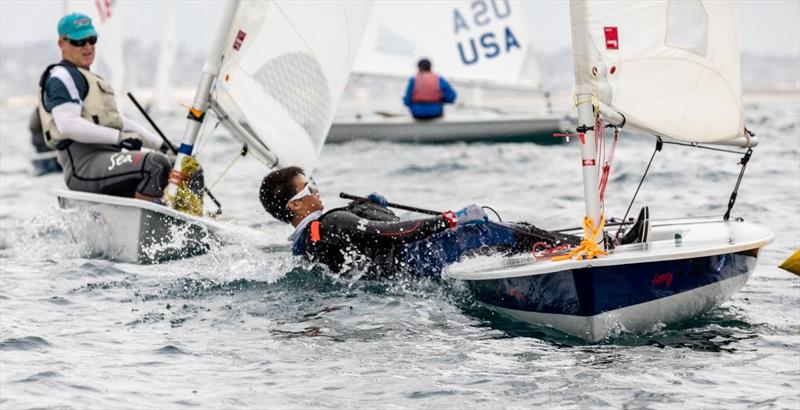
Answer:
(201, 98)
(585, 98)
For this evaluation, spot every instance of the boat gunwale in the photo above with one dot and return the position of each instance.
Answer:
(622, 255)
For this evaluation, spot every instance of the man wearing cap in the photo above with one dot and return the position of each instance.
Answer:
(98, 147)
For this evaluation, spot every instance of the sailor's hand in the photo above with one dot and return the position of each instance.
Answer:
(378, 199)
(130, 140)
(470, 215)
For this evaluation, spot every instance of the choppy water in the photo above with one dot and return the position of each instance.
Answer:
(245, 326)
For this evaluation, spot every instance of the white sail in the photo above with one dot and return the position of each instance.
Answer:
(162, 94)
(109, 62)
(285, 68)
(483, 41)
(670, 67)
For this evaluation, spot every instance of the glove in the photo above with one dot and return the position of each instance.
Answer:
(472, 214)
(378, 199)
(130, 140)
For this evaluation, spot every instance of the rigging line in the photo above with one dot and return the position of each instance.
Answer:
(745, 159)
(659, 145)
(239, 154)
(495, 212)
(696, 145)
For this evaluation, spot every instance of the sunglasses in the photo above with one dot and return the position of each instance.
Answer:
(309, 189)
(80, 43)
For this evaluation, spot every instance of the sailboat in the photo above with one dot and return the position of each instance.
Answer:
(273, 79)
(669, 69)
(481, 47)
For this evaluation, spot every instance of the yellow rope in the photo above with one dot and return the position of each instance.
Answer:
(588, 248)
(185, 200)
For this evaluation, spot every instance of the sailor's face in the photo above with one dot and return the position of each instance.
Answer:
(80, 56)
(307, 204)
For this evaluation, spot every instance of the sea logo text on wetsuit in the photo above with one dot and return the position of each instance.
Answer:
(119, 159)
(482, 31)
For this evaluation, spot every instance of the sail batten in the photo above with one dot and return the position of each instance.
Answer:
(671, 67)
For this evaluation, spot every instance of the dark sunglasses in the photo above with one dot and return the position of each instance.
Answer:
(80, 43)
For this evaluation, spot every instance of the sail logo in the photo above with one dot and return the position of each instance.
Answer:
(237, 44)
(482, 30)
(612, 38)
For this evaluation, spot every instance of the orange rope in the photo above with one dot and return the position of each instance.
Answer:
(588, 248)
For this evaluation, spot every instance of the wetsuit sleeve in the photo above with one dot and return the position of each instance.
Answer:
(409, 91)
(72, 126)
(150, 140)
(448, 93)
(346, 225)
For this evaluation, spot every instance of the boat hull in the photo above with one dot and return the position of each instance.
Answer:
(140, 232)
(595, 303)
(537, 130)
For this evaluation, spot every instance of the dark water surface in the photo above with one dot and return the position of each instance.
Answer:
(247, 326)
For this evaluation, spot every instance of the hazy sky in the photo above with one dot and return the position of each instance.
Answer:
(768, 26)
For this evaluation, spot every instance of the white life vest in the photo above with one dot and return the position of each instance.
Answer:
(99, 107)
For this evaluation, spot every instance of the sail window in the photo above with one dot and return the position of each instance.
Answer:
(296, 81)
(687, 26)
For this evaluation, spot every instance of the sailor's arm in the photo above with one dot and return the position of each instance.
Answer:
(71, 125)
(409, 91)
(149, 139)
(448, 93)
(350, 225)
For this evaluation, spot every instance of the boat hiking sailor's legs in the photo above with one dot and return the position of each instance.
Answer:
(139, 174)
(428, 257)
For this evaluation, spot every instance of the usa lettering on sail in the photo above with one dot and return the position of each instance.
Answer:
(480, 31)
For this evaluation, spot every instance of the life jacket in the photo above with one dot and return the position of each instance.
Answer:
(99, 107)
(426, 88)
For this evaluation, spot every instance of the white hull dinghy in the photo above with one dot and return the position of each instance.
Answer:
(685, 268)
(668, 69)
(249, 83)
(142, 232)
(405, 129)
(485, 62)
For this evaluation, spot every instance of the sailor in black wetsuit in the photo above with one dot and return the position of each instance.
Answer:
(366, 237)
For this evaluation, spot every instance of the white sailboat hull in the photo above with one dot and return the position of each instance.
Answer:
(141, 232)
(408, 130)
(637, 318)
(686, 268)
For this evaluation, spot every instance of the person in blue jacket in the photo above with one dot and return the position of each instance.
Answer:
(366, 237)
(427, 92)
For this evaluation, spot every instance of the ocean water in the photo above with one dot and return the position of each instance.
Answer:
(249, 326)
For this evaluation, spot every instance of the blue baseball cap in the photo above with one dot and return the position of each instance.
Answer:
(76, 26)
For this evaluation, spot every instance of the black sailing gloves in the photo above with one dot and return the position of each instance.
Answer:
(130, 140)
(378, 199)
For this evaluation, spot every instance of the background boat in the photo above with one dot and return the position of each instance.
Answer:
(484, 49)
